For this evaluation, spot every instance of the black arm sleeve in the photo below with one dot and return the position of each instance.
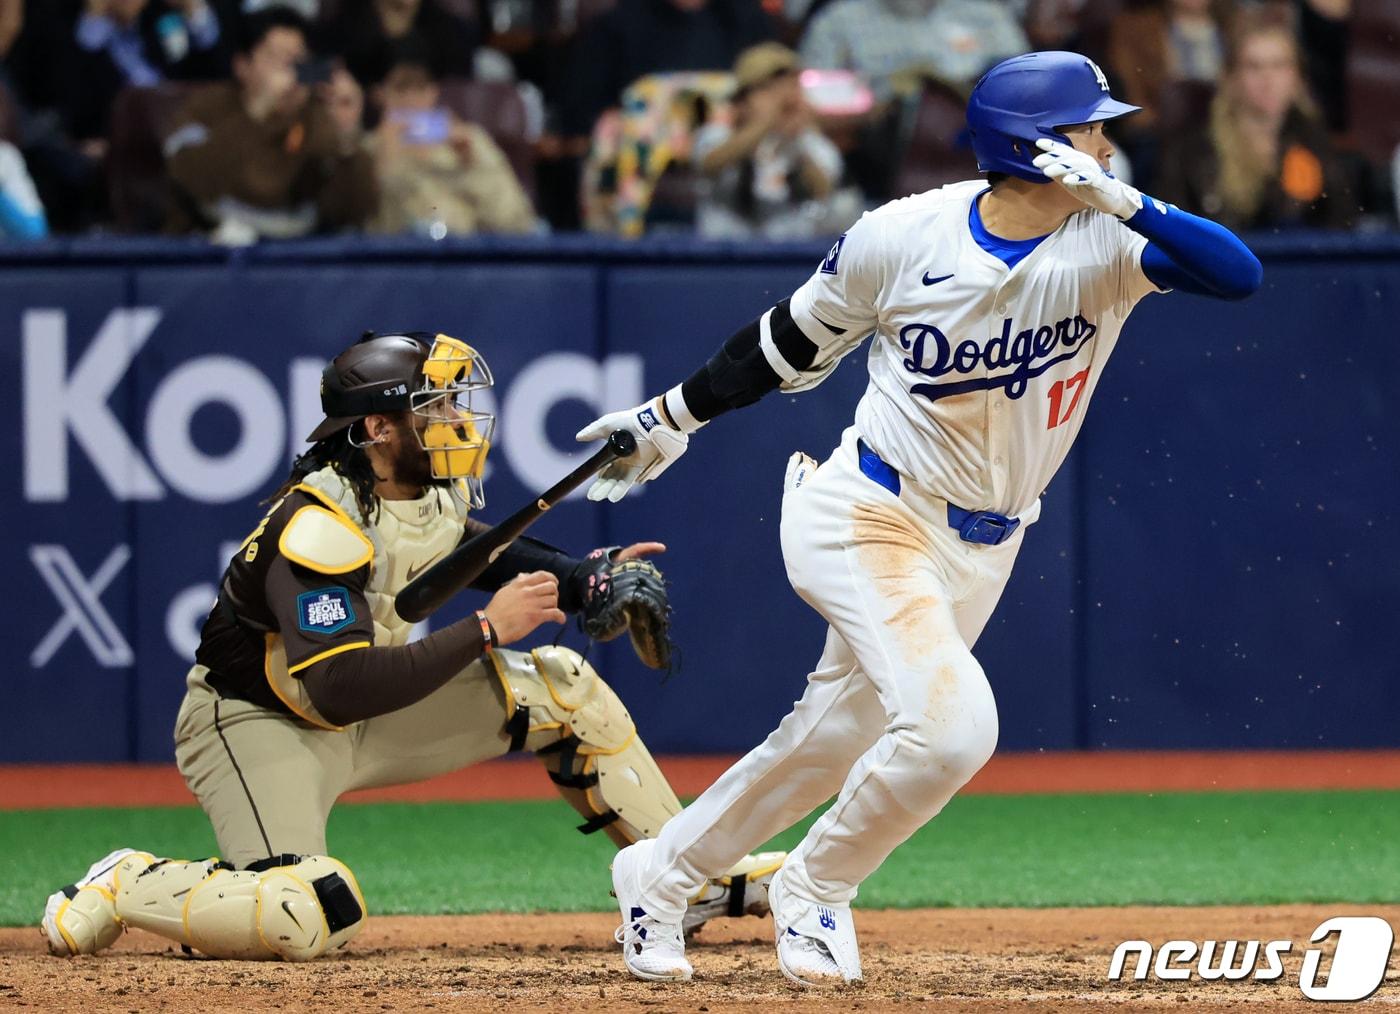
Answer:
(739, 373)
(356, 685)
(525, 555)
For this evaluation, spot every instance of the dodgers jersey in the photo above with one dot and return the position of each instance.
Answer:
(979, 374)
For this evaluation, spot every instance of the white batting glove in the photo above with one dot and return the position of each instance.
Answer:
(658, 445)
(1080, 174)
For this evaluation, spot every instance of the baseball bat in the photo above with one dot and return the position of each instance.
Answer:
(422, 596)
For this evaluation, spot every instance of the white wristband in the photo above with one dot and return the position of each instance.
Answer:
(679, 412)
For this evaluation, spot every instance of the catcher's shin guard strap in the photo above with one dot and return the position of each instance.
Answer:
(598, 823)
(738, 887)
(271, 862)
(338, 902)
(566, 776)
(518, 728)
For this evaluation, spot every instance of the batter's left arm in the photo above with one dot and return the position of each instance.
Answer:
(1194, 254)
(1183, 251)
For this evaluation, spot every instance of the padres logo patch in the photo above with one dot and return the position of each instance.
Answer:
(325, 610)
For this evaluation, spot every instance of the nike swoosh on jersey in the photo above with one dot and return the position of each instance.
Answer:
(415, 571)
(935, 281)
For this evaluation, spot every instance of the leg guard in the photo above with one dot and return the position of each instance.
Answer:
(287, 907)
(558, 707)
(82, 917)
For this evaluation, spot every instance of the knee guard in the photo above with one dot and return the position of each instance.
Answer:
(560, 708)
(289, 907)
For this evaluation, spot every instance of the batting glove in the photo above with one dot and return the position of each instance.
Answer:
(1080, 174)
(658, 445)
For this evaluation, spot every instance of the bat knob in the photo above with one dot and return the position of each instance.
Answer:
(623, 443)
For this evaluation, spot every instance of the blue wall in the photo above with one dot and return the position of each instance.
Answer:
(1218, 564)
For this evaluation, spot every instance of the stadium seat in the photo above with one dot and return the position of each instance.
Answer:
(138, 186)
(497, 108)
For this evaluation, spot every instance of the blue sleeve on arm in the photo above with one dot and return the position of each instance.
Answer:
(17, 223)
(1194, 254)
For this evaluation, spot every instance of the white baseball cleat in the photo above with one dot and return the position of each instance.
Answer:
(82, 918)
(652, 950)
(741, 891)
(816, 943)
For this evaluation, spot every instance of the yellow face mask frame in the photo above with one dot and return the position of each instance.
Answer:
(456, 436)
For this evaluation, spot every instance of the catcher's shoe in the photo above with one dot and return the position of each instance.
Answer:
(82, 918)
(741, 891)
(652, 950)
(816, 943)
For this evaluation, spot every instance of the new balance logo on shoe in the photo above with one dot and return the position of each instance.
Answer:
(827, 918)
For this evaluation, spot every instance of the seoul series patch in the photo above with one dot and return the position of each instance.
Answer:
(325, 610)
(829, 265)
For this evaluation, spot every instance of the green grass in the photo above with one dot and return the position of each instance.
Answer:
(1118, 849)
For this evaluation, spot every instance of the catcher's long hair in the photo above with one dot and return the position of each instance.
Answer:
(350, 461)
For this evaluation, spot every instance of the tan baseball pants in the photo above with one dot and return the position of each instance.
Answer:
(268, 780)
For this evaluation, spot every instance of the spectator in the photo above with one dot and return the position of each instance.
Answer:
(1264, 158)
(21, 214)
(370, 33)
(641, 37)
(1153, 47)
(438, 174)
(262, 155)
(952, 40)
(37, 67)
(139, 43)
(771, 173)
(1161, 42)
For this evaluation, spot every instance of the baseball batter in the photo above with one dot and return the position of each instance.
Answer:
(306, 684)
(992, 307)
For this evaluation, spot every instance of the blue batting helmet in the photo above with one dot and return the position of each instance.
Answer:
(1029, 97)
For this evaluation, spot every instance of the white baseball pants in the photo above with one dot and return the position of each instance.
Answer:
(897, 715)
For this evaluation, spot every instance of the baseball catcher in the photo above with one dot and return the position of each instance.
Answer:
(306, 684)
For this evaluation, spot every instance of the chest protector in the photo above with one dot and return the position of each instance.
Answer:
(408, 537)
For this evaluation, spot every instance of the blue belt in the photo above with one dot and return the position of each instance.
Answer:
(986, 528)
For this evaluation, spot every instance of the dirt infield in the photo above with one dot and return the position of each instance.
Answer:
(950, 960)
(26, 786)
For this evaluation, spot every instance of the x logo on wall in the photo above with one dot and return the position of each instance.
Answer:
(83, 610)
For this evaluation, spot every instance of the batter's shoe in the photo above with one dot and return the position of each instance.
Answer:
(816, 943)
(82, 918)
(741, 891)
(652, 950)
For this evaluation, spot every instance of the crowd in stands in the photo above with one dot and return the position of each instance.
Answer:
(249, 119)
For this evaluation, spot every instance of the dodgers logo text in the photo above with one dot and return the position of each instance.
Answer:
(1027, 354)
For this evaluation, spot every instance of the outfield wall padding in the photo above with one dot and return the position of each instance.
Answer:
(1216, 565)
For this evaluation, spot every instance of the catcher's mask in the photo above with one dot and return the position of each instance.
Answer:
(433, 378)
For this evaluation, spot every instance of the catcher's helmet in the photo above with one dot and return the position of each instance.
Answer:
(1029, 97)
(431, 376)
(372, 376)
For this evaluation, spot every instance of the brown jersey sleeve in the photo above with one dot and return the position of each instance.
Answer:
(355, 685)
(318, 615)
(328, 633)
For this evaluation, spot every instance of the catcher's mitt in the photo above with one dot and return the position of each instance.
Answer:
(628, 596)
